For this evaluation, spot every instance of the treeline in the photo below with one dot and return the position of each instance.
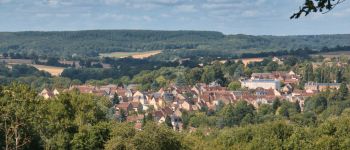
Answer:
(120, 67)
(20, 71)
(202, 56)
(90, 43)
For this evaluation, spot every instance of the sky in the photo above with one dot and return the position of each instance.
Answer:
(254, 17)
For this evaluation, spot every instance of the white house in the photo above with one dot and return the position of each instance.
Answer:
(261, 83)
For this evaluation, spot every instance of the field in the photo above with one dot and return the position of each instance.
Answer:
(334, 54)
(249, 60)
(137, 55)
(55, 71)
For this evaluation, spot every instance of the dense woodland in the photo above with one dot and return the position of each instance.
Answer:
(91, 43)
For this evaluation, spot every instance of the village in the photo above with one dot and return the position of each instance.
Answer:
(171, 102)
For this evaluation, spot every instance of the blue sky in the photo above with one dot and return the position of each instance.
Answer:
(256, 17)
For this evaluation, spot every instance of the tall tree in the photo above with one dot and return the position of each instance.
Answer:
(308, 73)
(343, 91)
(115, 99)
(339, 76)
(122, 115)
(18, 104)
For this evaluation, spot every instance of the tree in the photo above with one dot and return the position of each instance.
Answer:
(275, 104)
(308, 73)
(322, 6)
(115, 99)
(122, 115)
(121, 136)
(155, 85)
(227, 113)
(168, 121)
(180, 81)
(52, 61)
(194, 75)
(238, 72)
(92, 137)
(208, 75)
(291, 60)
(343, 91)
(17, 103)
(271, 66)
(111, 113)
(339, 76)
(283, 111)
(234, 85)
(316, 104)
(297, 106)
(155, 137)
(5, 55)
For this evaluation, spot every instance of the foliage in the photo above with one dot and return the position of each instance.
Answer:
(80, 44)
(316, 6)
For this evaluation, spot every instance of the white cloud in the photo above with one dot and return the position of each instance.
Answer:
(4, 1)
(185, 8)
(341, 13)
(250, 13)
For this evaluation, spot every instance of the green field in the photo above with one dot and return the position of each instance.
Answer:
(138, 55)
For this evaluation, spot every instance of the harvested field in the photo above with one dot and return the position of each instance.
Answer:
(246, 61)
(137, 55)
(55, 71)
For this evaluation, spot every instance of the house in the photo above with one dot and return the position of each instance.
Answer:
(83, 88)
(137, 106)
(261, 83)
(214, 84)
(287, 89)
(140, 97)
(283, 76)
(186, 106)
(124, 106)
(277, 60)
(135, 118)
(321, 86)
(159, 116)
(46, 94)
(55, 92)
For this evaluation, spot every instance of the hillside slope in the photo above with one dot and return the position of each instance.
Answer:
(90, 43)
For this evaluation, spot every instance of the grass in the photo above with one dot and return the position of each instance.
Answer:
(137, 55)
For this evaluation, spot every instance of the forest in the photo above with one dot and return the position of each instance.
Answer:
(65, 44)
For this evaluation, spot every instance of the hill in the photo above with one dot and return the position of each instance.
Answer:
(91, 43)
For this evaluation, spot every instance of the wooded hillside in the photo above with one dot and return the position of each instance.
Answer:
(90, 43)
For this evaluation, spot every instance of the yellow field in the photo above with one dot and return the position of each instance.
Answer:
(136, 55)
(55, 71)
(249, 60)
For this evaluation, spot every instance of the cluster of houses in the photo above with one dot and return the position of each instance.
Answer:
(261, 88)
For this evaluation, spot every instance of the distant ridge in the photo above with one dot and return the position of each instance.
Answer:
(92, 42)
